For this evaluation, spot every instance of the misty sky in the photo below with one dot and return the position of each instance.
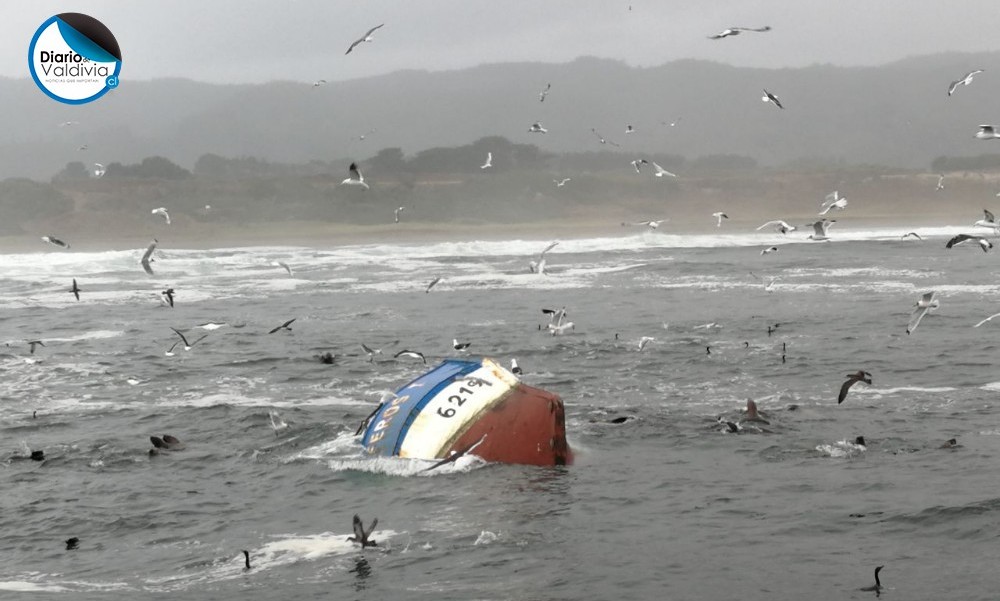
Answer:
(240, 41)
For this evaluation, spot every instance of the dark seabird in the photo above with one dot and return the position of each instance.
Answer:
(365, 38)
(284, 325)
(75, 290)
(34, 414)
(460, 346)
(38, 455)
(732, 428)
(769, 97)
(147, 257)
(878, 584)
(545, 92)
(414, 354)
(187, 346)
(326, 358)
(169, 295)
(951, 443)
(433, 282)
(55, 241)
(708, 350)
(33, 343)
(860, 440)
(360, 534)
(72, 543)
(246, 558)
(364, 423)
(618, 420)
(985, 244)
(852, 379)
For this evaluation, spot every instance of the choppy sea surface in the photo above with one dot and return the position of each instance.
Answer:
(668, 505)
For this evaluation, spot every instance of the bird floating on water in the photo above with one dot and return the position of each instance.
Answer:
(877, 587)
(536, 128)
(769, 250)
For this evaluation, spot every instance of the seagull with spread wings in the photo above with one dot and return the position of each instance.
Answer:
(365, 38)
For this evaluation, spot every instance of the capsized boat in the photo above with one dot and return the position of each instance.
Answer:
(464, 404)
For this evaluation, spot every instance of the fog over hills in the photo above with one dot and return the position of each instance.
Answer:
(897, 114)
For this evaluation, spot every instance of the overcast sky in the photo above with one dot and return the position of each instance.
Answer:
(232, 41)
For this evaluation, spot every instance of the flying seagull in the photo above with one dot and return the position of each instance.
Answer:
(33, 343)
(833, 201)
(990, 318)
(660, 171)
(360, 534)
(985, 244)
(162, 211)
(644, 341)
(779, 226)
(414, 354)
(371, 352)
(910, 234)
(560, 182)
(651, 224)
(396, 213)
(926, 303)
(55, 241)
(769, 250)
(99, 170)
(987, 132)
(852, 379)
(545, 92)
(720, 216)
(769, 97)
(283, 265)
(731, 31)
(365, 38)
(147, 257)
(433, 282)
(319, 82)
(75, 290)
(940, 184)
(489, 161)
(187, 346)
(636, 164)
(963, 82)
(988, 220)
(539, 266)
(602, 140)
(536, 128)
(460, 346)
(355, 179)
(820, 229)
(284, 325)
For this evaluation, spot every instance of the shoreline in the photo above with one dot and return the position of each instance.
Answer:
(313, 235)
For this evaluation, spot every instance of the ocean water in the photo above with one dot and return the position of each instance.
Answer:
(667, 505)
